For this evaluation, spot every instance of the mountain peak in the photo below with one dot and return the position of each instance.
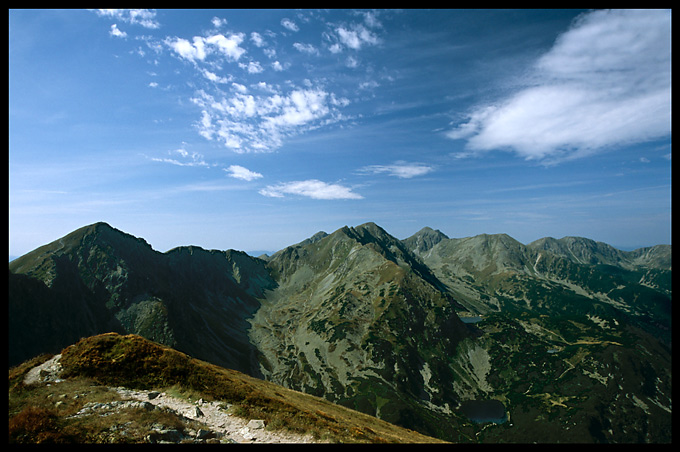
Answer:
(423, 240)
(371, 228)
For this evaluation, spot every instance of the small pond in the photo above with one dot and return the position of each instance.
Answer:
(473, 319)
(480, 411)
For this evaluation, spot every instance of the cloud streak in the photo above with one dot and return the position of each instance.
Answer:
(144, 17)
(400, 169)
(605, 82)
(311, 188)
(182, 157)
(239, 172)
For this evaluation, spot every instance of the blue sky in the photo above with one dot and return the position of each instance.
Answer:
(255, 129)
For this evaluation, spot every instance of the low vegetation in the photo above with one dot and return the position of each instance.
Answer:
(93, 364)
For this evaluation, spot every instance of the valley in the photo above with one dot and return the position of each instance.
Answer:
(570, 335)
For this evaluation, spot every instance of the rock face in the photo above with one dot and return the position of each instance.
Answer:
(493, 273)
(98, 279)
(356, 319)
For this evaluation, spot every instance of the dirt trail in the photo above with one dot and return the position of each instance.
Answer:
(209, 413)
(214, 416)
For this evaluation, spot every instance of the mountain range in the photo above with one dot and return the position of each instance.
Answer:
(570, 334)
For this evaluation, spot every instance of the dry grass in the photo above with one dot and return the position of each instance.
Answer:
(131, 361)
(41, 413)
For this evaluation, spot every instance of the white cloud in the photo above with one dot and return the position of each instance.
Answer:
(229, 47)
(356, 36)
(252, 67)
(240, 172)
(351, 62)
(257, 39)
(289, 24)
(371, 84)
(335, 48)
(371, 20)
(258, 123)
(116, 32)
(399, 169)
(306, 48)
(186, 49)
(144, 17)
(214, 77)
(240, 88)
(201, 47)
(312, 188)
(605, 82)
(217, 22)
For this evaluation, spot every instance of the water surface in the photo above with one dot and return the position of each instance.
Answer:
(480, 411)
(473, 319)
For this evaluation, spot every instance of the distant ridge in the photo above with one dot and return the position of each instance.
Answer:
(586, 251)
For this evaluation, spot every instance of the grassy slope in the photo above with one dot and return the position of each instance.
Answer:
(132, 361)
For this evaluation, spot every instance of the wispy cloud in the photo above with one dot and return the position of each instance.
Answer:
(400, 169)
(605, 82)
(144, 17)
(312, 188)
(258, 122)
(116, 32)
(306, 48)
(181, 157)
(290, 25)
(356, 36)
(200, 47)
(240, 172)
(237, 108)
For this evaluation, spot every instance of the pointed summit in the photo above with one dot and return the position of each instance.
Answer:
(100, 235)
(423, 240)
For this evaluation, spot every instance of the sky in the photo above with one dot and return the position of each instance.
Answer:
(254, 129)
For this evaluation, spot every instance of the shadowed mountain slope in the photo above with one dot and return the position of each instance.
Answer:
(356, 318)
(189, 298)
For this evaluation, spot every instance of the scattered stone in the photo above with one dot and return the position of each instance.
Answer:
(153, 394)
(206, 434)
(219, 427)
(169, 435)
(48, 371)
(255, 424)
(246, 434)
(147, 406)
